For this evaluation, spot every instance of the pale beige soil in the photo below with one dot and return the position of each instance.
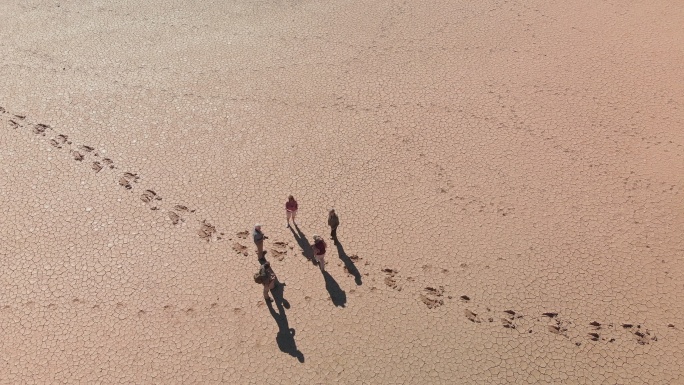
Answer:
(525, 154)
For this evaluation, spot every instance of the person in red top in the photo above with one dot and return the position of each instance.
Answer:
(291, 210)
(319, 251)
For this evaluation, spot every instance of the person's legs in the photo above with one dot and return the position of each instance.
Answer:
(294, 215)
(333, 233)
(267, 288)
(321, 261)
(260, 248)
(289, 215)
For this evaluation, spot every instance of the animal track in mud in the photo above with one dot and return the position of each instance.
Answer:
(175, 218)
(390, 279)
(182, 209)
(40, 128)
(76, 155)
(471, 316)
(642, 336)
(240, 249)
(96, 166)
(59, 141)
(176, 214)
(432, 297)
(279, 250)
(150, 198)
(509, 320)
(127, 179)
(206, 231)
(85, 148)
(555, 324)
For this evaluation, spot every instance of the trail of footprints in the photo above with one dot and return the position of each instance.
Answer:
(177, 214)
(550, 322)
(432, 297)
(124, 311)
(128, 180)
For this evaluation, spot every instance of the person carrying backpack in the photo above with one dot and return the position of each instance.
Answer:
(267, 278)
(319, 251)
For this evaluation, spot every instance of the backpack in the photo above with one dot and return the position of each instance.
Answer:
(320, 245)
(259, 278)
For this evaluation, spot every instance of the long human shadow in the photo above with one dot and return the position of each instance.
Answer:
(303, 243)
(285, 337)
(337, 295)
(349, 264)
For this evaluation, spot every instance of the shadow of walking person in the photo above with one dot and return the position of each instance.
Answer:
(337, 295)
(285, 337)
(303, 243)
(348, 264)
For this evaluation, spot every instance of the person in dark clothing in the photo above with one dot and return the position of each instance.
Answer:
(333, 222)
(269, 280)
(319, 251)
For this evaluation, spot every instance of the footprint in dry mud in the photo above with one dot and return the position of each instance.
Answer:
(85, 148)
(432, 297)
(390, 278)
(14, 124)
(183, 209)
(96, 166)
(279, 250)
(206, 231)
(76, 155)
(508, 321)
(643, 336)
(59, 141)
(556, 325)
(471, 316)
(151, 198)
(175, 218)
(243, 234)
(240, 249)
(40, 128)
(127, 179)
(176, 214)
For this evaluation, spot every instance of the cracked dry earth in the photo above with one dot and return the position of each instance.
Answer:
(508, 176)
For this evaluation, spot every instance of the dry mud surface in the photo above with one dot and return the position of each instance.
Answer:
(508, 176)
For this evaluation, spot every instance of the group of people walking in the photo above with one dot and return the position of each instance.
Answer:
(266, 276)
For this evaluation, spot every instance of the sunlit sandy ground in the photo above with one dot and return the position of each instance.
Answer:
(526, 155)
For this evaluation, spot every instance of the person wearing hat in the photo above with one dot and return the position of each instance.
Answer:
(333, 222)
(259, 237)
(269, 279)
(319, 251)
